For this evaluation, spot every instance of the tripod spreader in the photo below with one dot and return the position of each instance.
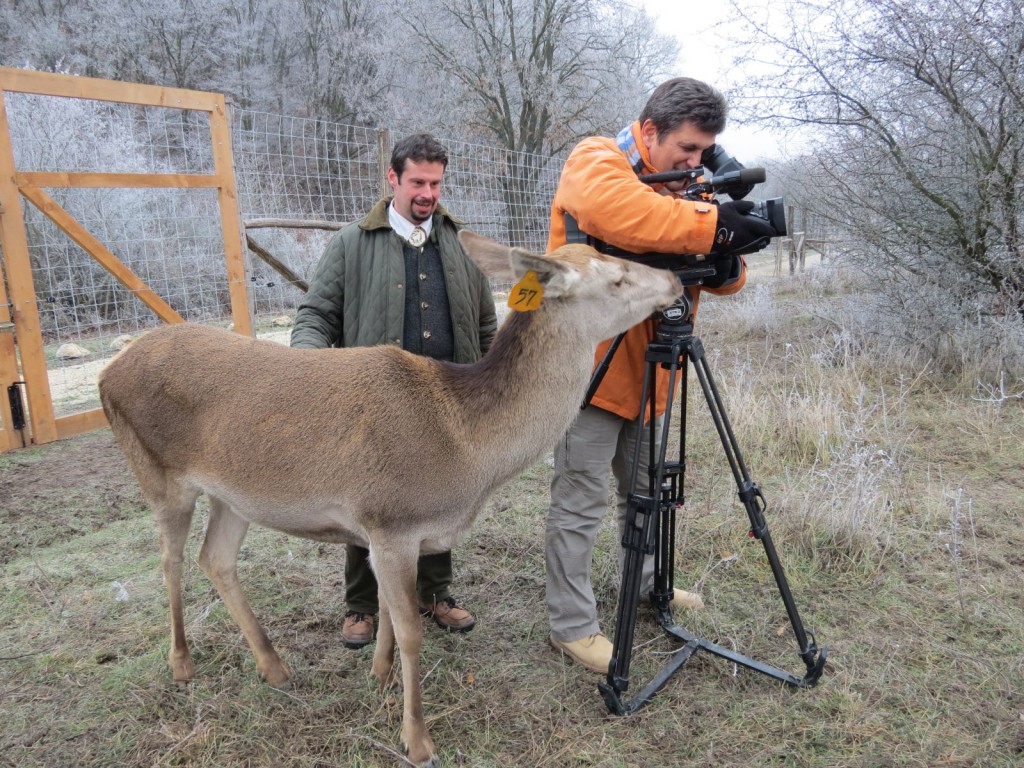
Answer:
(650, 529)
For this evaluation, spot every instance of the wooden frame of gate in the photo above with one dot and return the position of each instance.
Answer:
(19, 314)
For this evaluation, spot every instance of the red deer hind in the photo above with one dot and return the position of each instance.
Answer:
(372, 446)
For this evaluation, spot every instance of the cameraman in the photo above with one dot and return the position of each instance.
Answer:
(600, 190)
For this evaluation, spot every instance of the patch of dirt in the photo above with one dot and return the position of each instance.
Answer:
(62, 490)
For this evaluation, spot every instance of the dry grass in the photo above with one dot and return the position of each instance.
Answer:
(894, 500)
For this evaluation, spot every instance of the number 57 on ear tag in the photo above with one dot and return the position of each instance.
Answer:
(527, 293)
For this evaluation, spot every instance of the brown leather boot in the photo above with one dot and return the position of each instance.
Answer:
(357, 630)
(448, 615)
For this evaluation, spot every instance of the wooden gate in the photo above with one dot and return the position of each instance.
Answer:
(26, 406)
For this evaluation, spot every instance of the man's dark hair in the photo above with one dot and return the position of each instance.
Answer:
(685, 99)
(420, 148)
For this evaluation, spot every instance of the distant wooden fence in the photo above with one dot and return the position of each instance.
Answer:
(794, 246)
(270, 259)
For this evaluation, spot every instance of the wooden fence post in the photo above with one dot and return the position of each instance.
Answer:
(383, 159)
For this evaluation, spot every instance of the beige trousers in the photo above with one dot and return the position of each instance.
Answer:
(597, 444)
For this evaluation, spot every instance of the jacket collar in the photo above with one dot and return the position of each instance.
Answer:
(631, 144)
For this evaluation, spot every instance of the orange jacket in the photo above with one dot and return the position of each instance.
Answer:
(600, 189)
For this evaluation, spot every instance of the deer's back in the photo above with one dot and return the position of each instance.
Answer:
(284, 423)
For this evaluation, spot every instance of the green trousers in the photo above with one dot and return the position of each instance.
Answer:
(433, 579)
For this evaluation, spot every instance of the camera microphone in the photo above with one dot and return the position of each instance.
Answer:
(735, 183)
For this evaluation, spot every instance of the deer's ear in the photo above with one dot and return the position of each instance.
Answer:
(557, 276)
(492, 257)
(503, 263)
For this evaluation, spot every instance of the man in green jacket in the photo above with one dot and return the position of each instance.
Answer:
(399, 276)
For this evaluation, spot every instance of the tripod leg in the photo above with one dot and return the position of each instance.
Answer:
(754, 503)
(646, 518)
(673, 497)
(636, 544)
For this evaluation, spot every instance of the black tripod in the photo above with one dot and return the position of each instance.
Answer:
(651, 518)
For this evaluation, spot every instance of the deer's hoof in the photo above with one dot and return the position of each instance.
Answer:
(279, 678)
(387, 680)
(286, 685)
(430, 760)
(183, 670)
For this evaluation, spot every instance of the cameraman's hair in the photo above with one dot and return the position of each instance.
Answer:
(420, 148)
(681, 99)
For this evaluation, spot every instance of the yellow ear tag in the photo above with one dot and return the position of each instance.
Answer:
(527, 293)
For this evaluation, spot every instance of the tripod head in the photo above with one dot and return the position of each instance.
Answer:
(677, 321)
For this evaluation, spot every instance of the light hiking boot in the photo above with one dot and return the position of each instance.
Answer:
(448, 615)
(594, 652)
(357, 630)
(689, 600)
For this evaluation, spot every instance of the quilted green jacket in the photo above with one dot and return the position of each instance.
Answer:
(357, 295)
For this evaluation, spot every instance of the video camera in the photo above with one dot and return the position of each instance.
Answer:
(720, 174)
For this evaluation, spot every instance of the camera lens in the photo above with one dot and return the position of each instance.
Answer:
(774, 212)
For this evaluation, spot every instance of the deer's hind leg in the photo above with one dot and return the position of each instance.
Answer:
(384, 654)
(219, 561)
(173, 506)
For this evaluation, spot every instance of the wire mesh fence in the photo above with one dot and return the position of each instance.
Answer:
(305, 168)
(286, 168)
(171, 238)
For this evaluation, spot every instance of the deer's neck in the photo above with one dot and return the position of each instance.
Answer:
(521, 397)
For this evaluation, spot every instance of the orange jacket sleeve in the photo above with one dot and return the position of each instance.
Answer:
(602, 192)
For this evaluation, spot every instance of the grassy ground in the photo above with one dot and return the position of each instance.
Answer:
(894, 501)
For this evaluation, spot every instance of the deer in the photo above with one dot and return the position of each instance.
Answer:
(373, 446)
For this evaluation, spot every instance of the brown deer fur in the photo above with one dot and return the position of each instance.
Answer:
(373, 446)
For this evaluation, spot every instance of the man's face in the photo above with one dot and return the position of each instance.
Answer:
(680, 150)
(418, 190)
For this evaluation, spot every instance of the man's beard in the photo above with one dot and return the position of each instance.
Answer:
(415, 216)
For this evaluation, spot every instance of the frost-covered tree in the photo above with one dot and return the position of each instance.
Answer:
(918, 106)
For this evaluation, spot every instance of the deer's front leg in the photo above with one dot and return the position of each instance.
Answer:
(396, 577)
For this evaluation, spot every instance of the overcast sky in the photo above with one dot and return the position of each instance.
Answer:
(705, 56)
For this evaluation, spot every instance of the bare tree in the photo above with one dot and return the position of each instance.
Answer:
(917, 105)
(535, 76)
